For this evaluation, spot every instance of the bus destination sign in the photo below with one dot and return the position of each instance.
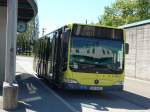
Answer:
(97, 31)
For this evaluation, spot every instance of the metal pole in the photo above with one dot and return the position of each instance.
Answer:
(11, 33)
(43, 31)
(86, 21)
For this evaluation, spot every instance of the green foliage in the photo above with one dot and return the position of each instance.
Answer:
(26, 40)
(125, 11)
(143, 7)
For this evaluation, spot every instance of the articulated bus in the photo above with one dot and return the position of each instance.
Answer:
(82, 57)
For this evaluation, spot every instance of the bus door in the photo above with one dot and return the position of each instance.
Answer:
(39, 59)
(56, 56)
(65, 41)
(46, 56)
(49, 58)
(42, 67)
(53, 59)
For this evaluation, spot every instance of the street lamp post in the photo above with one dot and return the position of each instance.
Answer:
(10, 87)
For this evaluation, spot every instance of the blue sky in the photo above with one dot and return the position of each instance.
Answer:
(56, 13)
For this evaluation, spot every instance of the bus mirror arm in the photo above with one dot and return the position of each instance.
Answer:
(126, 48)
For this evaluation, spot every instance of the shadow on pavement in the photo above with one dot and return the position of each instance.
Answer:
(33, 96)
(104, 101)
(135, 99)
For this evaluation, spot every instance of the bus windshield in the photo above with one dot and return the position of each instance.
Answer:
(96, 55)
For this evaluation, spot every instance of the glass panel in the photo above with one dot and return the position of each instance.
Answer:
(96, 55)
(97, 31)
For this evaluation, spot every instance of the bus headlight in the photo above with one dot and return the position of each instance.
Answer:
(118, 83)
(70, 81)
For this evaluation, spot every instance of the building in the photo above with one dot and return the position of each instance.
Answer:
(138, 60)
(27, 9)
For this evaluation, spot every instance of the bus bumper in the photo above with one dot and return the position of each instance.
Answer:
(72, 86)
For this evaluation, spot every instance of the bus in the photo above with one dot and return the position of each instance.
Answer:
(82, 57)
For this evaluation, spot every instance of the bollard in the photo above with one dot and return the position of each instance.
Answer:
(10, 96)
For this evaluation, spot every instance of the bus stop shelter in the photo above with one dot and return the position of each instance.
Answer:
(11, 12)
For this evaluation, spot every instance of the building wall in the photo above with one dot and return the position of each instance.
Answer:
(138, 59)
(3, 16)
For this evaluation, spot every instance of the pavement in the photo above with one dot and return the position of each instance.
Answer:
(140, 86)
(33, 95)
(36, 95)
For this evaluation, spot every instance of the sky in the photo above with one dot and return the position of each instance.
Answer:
(56, 13)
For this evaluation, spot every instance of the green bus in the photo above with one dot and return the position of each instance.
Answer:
(82, 57)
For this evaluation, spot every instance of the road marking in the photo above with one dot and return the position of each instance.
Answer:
(59, 97)
(31, 99)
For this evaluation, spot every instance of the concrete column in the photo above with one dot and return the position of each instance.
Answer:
(3, 16)
(11, 33)
(10, 88)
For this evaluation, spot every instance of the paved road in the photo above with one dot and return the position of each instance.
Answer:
(88, 101)
(97, 102)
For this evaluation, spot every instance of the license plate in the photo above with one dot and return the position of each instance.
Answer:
(96, 88)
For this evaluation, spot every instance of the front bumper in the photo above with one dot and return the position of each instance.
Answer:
(73, 86)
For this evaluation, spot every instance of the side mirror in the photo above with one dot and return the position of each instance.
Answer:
(126, 48)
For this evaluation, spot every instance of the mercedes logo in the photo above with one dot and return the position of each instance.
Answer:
(96, 81)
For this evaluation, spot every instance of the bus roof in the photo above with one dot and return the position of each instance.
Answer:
(95, 25)
(71, 25)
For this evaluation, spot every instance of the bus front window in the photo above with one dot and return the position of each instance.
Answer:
(89, 54)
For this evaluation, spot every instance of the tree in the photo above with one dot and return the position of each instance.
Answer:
(26, 40)
(143, 7)
(125, 11)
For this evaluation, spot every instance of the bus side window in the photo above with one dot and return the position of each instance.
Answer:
(65, 41)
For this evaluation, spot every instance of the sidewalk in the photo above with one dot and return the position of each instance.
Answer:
(137, 86)
(34, 96)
